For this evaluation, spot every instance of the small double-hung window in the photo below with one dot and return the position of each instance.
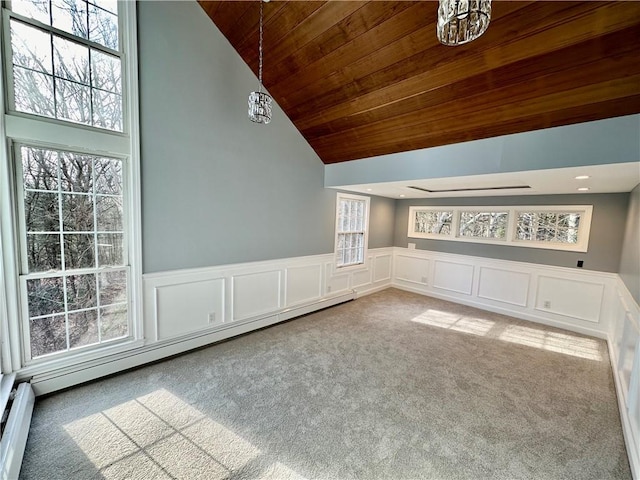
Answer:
(352, 223)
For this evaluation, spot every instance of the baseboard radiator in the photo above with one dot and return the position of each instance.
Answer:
(17, 407)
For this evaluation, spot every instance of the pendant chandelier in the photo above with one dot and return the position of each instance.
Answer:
(461, 21)
(260, 102)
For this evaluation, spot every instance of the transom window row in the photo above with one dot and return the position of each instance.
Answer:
(559, 227)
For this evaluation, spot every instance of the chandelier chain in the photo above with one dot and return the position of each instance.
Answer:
(260, 50)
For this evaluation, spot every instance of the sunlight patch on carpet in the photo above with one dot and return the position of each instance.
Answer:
(452, 321)
(553, 341)
(170, 438)
(564, 343)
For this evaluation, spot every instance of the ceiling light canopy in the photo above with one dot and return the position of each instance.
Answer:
(260, 102)
(461, 21)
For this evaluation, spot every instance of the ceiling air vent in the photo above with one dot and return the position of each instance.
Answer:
(472, 189)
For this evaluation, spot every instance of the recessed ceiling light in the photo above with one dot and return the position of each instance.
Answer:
(582, 177)
(402, 196)
(583, 189)
(368, 189)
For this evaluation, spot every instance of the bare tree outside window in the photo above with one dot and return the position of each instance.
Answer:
(561, 227)
(433, 222)
(68, 78)
(484, 224)
(76, 271)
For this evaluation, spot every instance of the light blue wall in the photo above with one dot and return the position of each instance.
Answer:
(630, 257)
(605, 239)
(614, 140)
(216, 188)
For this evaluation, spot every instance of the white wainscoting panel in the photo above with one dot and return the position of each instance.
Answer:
(570, 297)
(304, 284)
(624, 351)
(382, 268)
(336, 283)
(361, 278)
(506, 286)
(454, 277)
(256, 294)
(187, 307)
(411, 269)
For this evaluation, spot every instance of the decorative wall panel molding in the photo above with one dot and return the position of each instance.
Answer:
(504, 286)
(411, 269)
(455, 277)
(303, 284)
(198, 305)
(570, 297)
(540, 293)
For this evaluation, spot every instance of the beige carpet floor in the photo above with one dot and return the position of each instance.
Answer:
(393, 385)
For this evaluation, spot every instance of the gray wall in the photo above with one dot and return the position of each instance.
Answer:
(217, 189)
(605, 241)
(614, 140)
(630, 257)
(381, 222)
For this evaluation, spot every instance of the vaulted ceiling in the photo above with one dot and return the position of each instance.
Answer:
(360, 79)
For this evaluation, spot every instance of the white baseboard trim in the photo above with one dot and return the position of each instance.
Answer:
(14, 437)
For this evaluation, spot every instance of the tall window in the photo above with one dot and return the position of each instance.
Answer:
(74, 259)
(70, 70)
(66, 62)
(352, 222)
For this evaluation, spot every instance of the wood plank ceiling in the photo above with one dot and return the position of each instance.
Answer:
(361, 79)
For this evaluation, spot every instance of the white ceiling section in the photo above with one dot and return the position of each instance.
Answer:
(614, 178)
(545, 161)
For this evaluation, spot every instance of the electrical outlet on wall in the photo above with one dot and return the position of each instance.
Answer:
(547, 304)
(212, 317)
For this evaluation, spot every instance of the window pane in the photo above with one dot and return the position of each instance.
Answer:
(103, 27)
(71, 60)
(484, 224)
(76, 172)
(33, 92)
(79, 251)
(73, 101)
(83, 328)
(70, 16)
(113, 287)
(437, 223)
(113, 322)
(557, 227)
(81, 292)
(108, 174)
(36, 9)
(31, 47)
(109, 5)
(77, 212)
(106, 72)
(43, 252)
(110, 249)
(45, 296)
(39, 168)
(109, 214)
(48, 335)
(107, 110)
(41, 212)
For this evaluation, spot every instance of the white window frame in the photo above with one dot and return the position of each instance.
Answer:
(584, 229)
(367, 203)
(39, 131)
